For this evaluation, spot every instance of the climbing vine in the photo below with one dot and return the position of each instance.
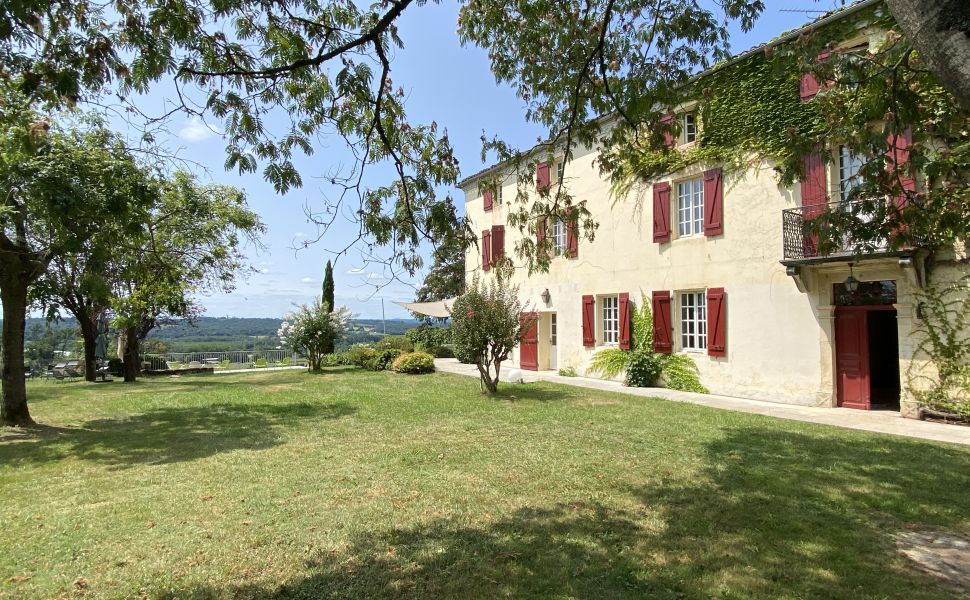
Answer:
(941, 381)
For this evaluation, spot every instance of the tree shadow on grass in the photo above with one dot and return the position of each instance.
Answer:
(539, 392)
(165, 435)
(771, 514)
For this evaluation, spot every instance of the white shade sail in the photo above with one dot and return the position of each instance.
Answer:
(439, 308)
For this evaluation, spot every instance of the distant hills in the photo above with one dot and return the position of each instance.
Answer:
(217, 334)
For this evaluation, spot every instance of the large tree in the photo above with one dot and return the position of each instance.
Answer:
(192, 244)
(57, 189)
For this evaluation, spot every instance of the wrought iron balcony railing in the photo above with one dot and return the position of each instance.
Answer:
(799, 225)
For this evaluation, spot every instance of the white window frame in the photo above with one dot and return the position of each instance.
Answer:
(693, 320)
(560, 170)
(690, 207)
(553, 326)
(688, 128)
(498, 193)
(849, 165)
(610, 320)
(559, 237)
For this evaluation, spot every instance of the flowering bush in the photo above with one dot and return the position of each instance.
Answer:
(311, 329)
(413, 363)
(487, 323)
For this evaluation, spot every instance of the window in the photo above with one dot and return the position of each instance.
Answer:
(690, 207)
(552, 329)
(559, 237)
(560, 169)
(849, 165)
(693, 321)
(611, 320)
(498, 193)
(689, 128)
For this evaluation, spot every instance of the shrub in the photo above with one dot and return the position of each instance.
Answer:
(312, 329)
(429, 337)
(395, 342)
(680, 373)
(567, 372)
(360, 355)
(413, 363)
(609, 362)
(465, 353)
(383, 359)
(444, 352)
(643, 369)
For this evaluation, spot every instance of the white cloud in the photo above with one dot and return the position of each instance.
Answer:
(299, 234)
(307, 280)
(356, 271)
(264, 270)
(195, 130)
(375, 276)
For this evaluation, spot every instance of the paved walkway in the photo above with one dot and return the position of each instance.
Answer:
(876, 421)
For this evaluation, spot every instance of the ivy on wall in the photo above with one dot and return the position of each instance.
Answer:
(749, 111)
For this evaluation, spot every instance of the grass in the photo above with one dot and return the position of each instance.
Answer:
(353, 484)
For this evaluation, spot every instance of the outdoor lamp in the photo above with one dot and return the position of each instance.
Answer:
(546, 296)
(851, 283)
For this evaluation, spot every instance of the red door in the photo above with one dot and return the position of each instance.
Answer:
(529, 348)
(852, 357)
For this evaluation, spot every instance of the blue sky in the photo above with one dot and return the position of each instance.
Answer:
(446, 83)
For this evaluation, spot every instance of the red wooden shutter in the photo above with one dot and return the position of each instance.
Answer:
(814, 198)
(898, 154)
(572, 233)
(498, 242)
(540, 234)
(661, 323)
(661, 212)
(809, 86)
(624, 321)
(486, 250)
(487, 198)
(667, 121)
(589, 321)
(542, 175)
(713, 202)
(716, 322)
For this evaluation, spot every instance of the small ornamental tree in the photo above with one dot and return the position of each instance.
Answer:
(313, 328)
(488, 321)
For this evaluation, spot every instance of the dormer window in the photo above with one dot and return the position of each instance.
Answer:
(688, 128)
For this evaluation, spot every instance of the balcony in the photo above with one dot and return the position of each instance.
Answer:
(802, 245)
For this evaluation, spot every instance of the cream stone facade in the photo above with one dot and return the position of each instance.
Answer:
(782, 316)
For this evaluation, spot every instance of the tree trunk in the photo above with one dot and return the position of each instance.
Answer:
(131, 359)
(13, 400)
(89, 332)
(940, 32)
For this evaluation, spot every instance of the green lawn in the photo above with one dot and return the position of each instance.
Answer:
(363, 485)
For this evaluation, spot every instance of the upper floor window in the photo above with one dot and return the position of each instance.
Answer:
(611, 319)
(559, 237)
(560, 170)
(693, 321)
(690, 207)
(498, 193)
(849, 165)
(689, 128)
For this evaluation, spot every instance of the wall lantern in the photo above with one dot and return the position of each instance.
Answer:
(546, 296)
(851, 283)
